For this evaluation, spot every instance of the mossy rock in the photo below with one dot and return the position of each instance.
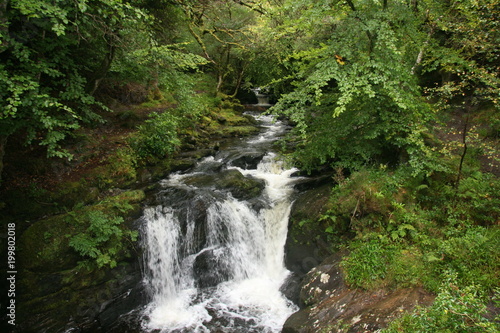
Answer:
(307, 243)
(237, 131)
(182, 164)
(70, 193)
(233, 181)
(134, 196)
(45, 247)
(126, 204)
(240, 186)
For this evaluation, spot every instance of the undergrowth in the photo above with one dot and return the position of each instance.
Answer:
(422, 231)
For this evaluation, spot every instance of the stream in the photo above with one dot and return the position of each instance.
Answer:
(214, 258)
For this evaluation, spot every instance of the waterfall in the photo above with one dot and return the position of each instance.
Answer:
(214, 262)
(262, 99)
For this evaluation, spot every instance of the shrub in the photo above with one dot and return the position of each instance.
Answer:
(457, 310)
(473, 254)
(157, 137)
(367, 265)
(102, 241)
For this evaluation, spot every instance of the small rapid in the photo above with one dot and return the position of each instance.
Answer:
(214, 262)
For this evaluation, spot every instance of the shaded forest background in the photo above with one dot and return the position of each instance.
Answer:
(397, 99)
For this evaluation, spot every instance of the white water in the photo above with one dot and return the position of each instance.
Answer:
(247, 244)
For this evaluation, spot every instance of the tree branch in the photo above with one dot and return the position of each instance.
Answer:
(349, 2)
(258, 10)
(201, 43)
(421, 52)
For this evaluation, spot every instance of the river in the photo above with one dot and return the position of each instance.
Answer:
(213, 261)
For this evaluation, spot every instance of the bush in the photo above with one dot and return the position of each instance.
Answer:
(378, 262)
(473, 254)
(157, 137)
(367, 265)
(457, 310)
(403, 241)
(102, 241)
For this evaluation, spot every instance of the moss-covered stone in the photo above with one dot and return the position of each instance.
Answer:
(238, 131)
(44, 245)
(119, 170)
(241, 187)
(70, 193)
(306, 244)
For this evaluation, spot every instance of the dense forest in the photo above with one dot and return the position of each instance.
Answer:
(397, 100)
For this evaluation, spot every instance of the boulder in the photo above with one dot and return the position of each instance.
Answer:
(241, 187)
(210, 267)
(249, 161)
(306, 245)
(331, 305)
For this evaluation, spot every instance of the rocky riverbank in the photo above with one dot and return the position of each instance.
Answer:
(317, 283)
(67, 280)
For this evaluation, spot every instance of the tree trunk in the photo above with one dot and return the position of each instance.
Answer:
(464, 152)
(101, 72)
(238, 82)
(420, 55)
(351, 4)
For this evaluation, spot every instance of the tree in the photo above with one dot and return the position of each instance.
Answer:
(53, 56)
(220, 29)
(464, 51)
(354, 98)
(359, 76)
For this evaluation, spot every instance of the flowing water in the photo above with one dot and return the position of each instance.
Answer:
(214, 261)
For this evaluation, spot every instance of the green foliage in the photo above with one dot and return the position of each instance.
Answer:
(403, 240)
(469, 54)
(473, 253)
(223, 36)
(157, 137)
(367, 265)
(455, 309)
(49, 66)
(123, 164)
(103, 239)
(374, 200)
(355, 99)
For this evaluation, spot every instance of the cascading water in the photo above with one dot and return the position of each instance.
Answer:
(262, 98)
(215, 263)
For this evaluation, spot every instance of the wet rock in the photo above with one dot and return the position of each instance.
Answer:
(182, 164)
(241, 187)
(82, 302)
(132, 295)
(197, 154)
(291, 288)
(311, 183)
(305, 246)
(248, 161)
(191, 207)
(210, 267)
